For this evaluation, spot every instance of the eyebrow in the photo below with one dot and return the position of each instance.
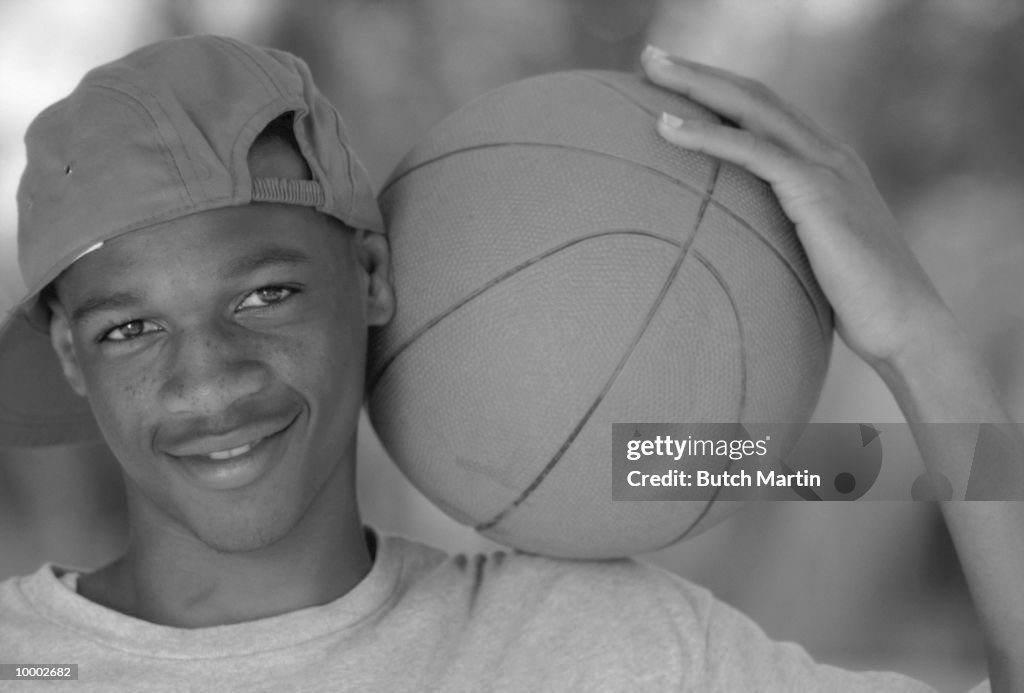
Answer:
(98, 304)
(270, 256)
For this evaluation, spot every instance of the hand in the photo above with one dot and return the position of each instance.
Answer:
(885, 306)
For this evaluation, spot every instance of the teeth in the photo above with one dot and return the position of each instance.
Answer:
(234, 452)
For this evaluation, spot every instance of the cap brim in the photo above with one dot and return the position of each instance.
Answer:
(37, 406)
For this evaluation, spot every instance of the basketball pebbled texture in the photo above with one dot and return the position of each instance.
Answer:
(558, 268)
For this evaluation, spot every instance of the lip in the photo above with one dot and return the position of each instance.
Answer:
(255, 452)
(232, 439)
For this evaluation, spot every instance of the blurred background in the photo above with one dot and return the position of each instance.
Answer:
(929, 91)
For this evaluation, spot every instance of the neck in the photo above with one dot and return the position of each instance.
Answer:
(170, 577)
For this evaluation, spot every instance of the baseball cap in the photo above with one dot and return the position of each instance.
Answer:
(159, 134)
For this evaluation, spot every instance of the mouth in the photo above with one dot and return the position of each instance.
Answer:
(228, 465)
(225, 443)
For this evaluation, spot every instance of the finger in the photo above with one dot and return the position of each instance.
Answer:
(748, 103)
(763, 158)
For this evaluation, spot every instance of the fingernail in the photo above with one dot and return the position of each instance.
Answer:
(653, 54)
(671, 121)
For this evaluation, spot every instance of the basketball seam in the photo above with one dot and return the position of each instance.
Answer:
(670, 279)
(682, 184)
(596, 77)
(801, 282)
(739, 329)
(743, 392)
(569, 147)
(591, 77)
(376, 377)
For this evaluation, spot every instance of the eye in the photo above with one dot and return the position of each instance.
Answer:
(265, 296)
(128, 331)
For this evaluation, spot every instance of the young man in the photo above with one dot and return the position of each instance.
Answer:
(204, 254)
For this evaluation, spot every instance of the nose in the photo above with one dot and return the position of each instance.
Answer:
(209, 369)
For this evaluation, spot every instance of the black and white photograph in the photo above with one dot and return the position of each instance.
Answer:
(511, 345)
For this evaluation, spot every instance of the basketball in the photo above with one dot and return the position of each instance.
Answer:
(558, 268)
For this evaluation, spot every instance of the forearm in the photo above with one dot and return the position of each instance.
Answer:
(888, 313)
(944, 381)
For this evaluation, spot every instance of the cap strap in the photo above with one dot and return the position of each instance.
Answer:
(288, 191)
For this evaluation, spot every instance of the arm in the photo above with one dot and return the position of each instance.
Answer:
(988, 535)
(888, 312)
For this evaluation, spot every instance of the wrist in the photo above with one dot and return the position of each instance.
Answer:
(939, 376)
(935, 337)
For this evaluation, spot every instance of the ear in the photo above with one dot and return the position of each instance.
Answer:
(374, 255)
(63, 344)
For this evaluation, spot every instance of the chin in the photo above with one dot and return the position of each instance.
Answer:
(245, 534)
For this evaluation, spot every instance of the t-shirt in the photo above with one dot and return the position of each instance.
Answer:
(422, 620)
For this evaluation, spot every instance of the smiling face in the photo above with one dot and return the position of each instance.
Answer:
(223, 356)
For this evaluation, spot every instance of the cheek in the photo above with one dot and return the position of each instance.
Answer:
(329, 360)
(122, 401)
